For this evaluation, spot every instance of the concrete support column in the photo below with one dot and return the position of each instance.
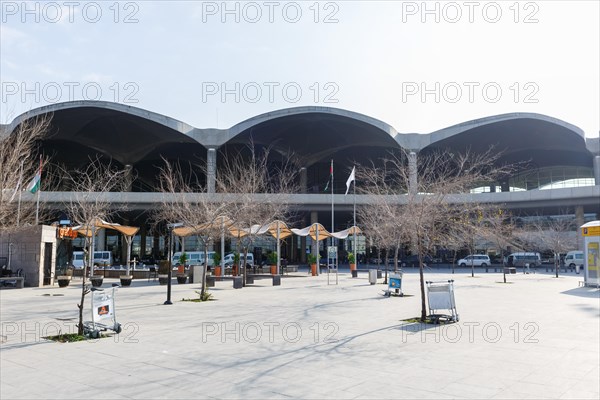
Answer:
(412, 173)
(211, 169)
(579, 220)
(596, 163)
(303, 180)
(100, 240)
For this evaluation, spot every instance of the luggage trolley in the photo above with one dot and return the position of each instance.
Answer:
(104, 316)
(394, 285)
(441, 297)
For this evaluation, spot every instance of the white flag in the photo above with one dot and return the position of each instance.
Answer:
(349, 181)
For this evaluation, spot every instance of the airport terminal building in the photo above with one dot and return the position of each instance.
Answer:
(560, 166)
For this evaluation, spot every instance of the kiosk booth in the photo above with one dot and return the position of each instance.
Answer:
(591, 255)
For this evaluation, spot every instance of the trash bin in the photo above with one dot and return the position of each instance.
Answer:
(372, 276)
(577, 267)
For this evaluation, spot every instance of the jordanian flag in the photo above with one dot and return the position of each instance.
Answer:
(35, 183)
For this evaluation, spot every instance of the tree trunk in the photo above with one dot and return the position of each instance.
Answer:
(422, 279)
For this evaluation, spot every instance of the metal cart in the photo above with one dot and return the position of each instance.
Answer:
(104, 316)
(440, 296)
(394, 285)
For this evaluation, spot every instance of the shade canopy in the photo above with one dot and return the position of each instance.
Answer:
(217, 223)
(99, 224)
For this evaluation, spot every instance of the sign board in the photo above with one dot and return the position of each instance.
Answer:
(332, 251)
(66, 233)
(591, 256)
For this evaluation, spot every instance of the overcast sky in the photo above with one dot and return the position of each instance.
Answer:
(417, 67)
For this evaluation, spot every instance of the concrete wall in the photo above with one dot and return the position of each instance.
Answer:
(27, 251)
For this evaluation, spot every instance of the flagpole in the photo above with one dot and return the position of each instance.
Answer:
(19, 205)
(354, 217)
(332, 229)
(37, 203)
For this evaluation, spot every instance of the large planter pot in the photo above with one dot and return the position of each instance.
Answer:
(181, 279)
(273, 269)
(313, 268)
(217, 270)
(126, 280)
(97, 280)
(234, 270)
(163, 279)
(352, 267)
(63, 280)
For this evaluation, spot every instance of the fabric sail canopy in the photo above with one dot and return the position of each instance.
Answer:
(99, 224)
(270, 228)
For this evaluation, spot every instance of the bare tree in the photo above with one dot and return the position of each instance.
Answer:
(557, 234)
(186, 201)
(89, 204)
(428, 195)
(257, 183)
(500, 229)
(19, 162)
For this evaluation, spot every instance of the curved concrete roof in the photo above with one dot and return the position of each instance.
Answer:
(483, 130)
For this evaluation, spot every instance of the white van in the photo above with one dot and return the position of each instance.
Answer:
(77, 259)
(103, 258)
(194, 258)
(574, 258)
(520, 259)
(477, 260)
(228, 260)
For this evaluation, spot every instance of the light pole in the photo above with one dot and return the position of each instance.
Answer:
(171, 227)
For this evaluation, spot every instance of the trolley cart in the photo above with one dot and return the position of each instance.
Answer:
(440, 296)
(104, 316)
(394, 285)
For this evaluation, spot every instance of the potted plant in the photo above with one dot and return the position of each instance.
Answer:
(312, 261)
(65, 276)
(163, 272)
(96, 280)
(181, 278)
(352, 261)
(126, 280)
(272, 258)
(183, 258)
(217, 262)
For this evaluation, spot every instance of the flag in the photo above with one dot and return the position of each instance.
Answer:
(35, 183)
(330, 176)
(349, 181)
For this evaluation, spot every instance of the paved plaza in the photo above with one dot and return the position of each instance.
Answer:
(535, 337)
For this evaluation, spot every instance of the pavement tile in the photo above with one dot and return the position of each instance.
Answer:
(535, 338)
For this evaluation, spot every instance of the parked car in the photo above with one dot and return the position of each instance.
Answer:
(520, 259)
(78, 259)
(477, 260)
(194, 258)
(574, 258)
(413, 260)
(228, 260)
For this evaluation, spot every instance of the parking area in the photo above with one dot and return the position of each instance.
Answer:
(534, 337)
